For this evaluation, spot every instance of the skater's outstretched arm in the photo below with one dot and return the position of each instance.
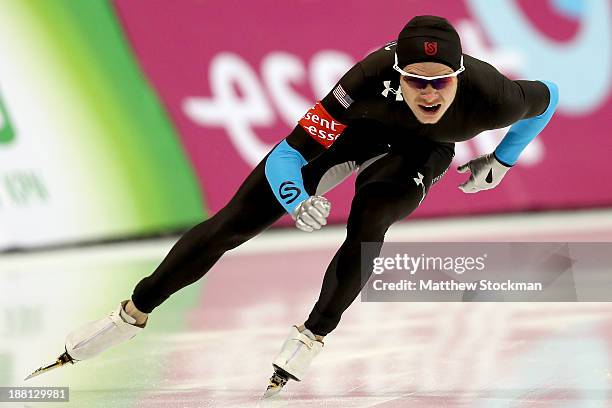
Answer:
(533, 122)
(528, 106)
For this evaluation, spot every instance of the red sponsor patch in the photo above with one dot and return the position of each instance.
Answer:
(319, 124)
(431, 47)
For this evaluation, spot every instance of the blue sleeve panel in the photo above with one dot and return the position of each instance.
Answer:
(525, 130)
(284, 173)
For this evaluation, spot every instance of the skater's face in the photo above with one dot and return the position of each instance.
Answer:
(428, 100)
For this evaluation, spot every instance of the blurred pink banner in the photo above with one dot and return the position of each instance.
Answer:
(235, 77)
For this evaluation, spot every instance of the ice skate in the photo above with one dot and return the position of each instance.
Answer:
(93, 338)
(63, 359)
(293, 360)
(277, 382)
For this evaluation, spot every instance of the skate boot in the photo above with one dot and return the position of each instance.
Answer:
(93, 338)
(293, 360)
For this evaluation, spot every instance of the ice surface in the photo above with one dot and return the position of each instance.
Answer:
(212, 344)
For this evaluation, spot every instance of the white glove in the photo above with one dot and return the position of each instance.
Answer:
(311, 214)
(487, 173)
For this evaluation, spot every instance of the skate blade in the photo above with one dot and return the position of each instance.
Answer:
(277, 382)
(61, 361)
(272, 390)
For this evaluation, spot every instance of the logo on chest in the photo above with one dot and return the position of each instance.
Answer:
(397, 92)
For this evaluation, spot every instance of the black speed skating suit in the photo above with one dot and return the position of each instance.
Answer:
(378, 124)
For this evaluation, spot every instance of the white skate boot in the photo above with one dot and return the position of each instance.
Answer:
(293, 360)
(94, 337)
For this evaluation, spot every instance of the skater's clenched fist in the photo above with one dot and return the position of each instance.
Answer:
(311, 214)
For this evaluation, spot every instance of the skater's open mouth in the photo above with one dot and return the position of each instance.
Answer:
(430, 109)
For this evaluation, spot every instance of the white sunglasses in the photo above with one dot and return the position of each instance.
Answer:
(429, 78)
